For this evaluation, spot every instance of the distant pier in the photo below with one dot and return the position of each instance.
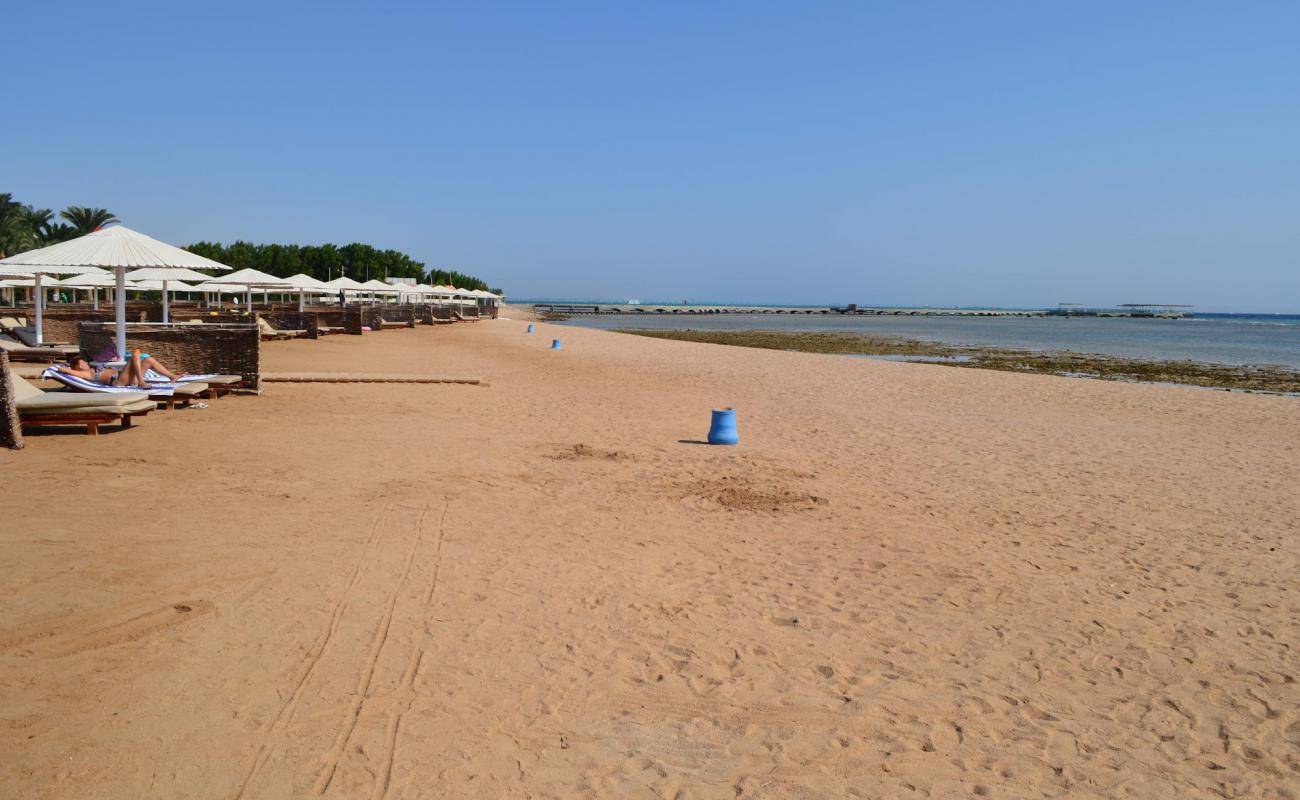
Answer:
(588, 309)
(1147, 310)
(1141, 310)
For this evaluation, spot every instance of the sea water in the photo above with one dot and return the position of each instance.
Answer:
(1213, 338)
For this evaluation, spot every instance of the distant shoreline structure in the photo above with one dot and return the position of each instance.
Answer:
(637, 308)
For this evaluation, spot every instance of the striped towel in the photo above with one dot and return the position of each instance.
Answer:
(155, 377)
(83, 385)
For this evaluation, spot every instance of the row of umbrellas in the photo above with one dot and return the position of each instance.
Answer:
(159, 266)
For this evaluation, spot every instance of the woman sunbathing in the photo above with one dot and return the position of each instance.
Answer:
(133, 374)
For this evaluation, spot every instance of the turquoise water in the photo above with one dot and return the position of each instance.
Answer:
(1213, 338)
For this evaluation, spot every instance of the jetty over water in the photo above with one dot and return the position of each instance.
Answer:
(1147, 310)
(588, 309)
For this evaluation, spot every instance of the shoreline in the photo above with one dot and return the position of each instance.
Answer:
(1245, 378)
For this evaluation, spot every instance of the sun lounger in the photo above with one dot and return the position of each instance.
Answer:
(18, 351)
(217, 384)
(28, 337)
(166, 394)
(9, 323)
(270, 332)
(36, 408)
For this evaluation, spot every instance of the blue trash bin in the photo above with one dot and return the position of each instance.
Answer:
(555, 345)
(531, 328)
(723, 429)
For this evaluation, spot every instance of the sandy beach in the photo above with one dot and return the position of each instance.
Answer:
(908, 581)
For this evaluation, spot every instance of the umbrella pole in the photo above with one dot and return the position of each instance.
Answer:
(302, 301)
(167, 316)
(40, 310)
(119, 301)
(250, 300)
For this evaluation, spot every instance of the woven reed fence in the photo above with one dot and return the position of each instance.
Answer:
(432, 314)
(292, 321)
(354, 319)
(60, 324)
(209, 316)
(379, 317)
(221, 349)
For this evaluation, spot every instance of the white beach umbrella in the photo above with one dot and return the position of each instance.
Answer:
(166, 287)
(94, 281)
(163, 276)
(441, 292)
(253, 279)
(221, 288)
(248, 276)
(117, 248)
(304, 281)
(376, 286)
(36, 275)
(163, 286)
(345, 284)
(422, 290)
(304, 285)
(87, 280)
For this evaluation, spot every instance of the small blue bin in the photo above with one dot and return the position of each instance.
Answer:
(555, 345)
(532, 328)
(723, 429)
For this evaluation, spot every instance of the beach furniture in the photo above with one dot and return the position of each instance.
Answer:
(27, 335)
(217, 384)
(167, 395)
(38, 408)
(270, 332)
(20, 352)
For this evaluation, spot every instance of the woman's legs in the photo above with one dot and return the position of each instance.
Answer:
(135, 371)
(156, 365)
(123, 377)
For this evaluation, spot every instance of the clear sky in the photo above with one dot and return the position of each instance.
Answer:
(956, 153)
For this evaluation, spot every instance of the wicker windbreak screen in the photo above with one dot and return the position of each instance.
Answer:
(221, 349)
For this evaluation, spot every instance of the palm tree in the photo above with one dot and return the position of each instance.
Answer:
(45, 229)
(16, 235)
(88, 220)
(39, 217)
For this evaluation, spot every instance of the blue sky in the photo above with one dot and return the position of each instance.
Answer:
(904, 153)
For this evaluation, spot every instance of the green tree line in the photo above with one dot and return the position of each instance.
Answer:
(23, 228)
(325, 262)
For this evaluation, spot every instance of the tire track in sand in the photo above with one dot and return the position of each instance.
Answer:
(378, 642)
(274, 732)
(384, 778)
